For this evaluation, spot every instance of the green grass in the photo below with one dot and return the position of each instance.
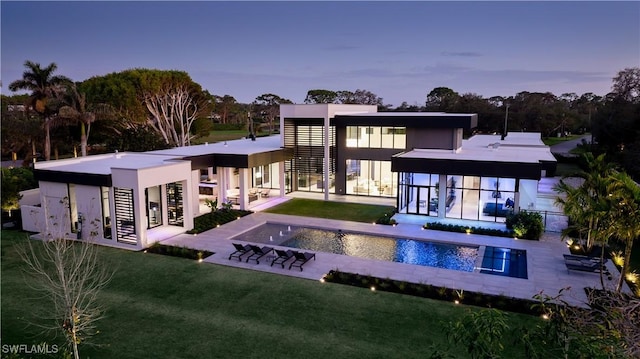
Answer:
(566, 169)
(332, 210)
(166, 307)
(550, 141)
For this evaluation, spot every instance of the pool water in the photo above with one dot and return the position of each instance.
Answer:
(409, 251)
(505, 262)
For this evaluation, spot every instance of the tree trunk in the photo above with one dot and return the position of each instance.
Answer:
(83, 140)
(602, 266)
(47, 139)
(625, 265)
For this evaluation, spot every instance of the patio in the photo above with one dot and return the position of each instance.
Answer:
(546, 268)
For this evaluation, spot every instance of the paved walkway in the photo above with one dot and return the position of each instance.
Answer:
(564, 148)
(546, 269)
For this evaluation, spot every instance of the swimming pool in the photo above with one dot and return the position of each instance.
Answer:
(401, 250)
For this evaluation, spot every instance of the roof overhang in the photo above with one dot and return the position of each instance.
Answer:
(409, 119)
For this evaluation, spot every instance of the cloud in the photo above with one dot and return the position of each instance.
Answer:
(461, 53)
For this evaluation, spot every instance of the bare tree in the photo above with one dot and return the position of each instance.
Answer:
(174, 109)
(70, 274)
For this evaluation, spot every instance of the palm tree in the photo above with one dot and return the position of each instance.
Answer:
(625, 224)
(77, 111)
(44, 87)
(588, 206)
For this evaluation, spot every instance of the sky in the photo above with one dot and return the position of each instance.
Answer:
(398, 50)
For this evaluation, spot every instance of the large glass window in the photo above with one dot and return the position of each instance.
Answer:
(376, 137)
(371, 178)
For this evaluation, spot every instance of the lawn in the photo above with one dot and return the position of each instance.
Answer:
(167, 307)
(356, 212)
(550, 141)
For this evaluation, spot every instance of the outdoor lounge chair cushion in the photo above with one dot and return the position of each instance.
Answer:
(240, 251)
(282, 257)
(582, 263)
(258, 253)
(301, 259)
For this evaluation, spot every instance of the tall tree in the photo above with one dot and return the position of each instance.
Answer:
(590, 208)
(360, 97)
(269, 107)
(626, 84)
(625, 224)
(321, 96)
(441, 99)
(225, 107)
(44, 87)
(77, 111)
(21, 127)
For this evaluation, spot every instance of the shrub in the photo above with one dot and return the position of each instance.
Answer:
(527, 225)
(181, 252)
(386, 219)
(466, 229)
(217, 218)
(501, 302)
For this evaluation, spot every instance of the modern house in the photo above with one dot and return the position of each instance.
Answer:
(134, 199)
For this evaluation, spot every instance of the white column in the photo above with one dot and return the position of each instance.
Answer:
(209, 173)
(282, 178)
(222, 184)
(326, 162)
(243, 174)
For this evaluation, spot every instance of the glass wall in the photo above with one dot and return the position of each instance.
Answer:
(376, 137)
(467, 197)
(264, 178)
(420, 194)
(481, 198)
(371, 178)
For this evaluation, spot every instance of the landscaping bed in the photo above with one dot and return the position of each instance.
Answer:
(458, 296)
(181, 252)
(216, 218)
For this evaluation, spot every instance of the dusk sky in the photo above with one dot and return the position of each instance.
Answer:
(397, 50)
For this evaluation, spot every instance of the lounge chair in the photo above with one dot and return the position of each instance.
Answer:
(583, 263)
(258, 253)
(240, 251)
(282, 257)
(301, 259)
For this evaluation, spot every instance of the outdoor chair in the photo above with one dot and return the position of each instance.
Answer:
(301, 259)
(258, 253)
(583, 263)
(282, 257)
(240, 251)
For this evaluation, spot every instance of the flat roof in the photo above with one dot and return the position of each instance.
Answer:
(233, 147)
(404, 114)
(516, 147)
(102, 164)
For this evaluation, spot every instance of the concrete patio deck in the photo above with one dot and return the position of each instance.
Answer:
(546, 269)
